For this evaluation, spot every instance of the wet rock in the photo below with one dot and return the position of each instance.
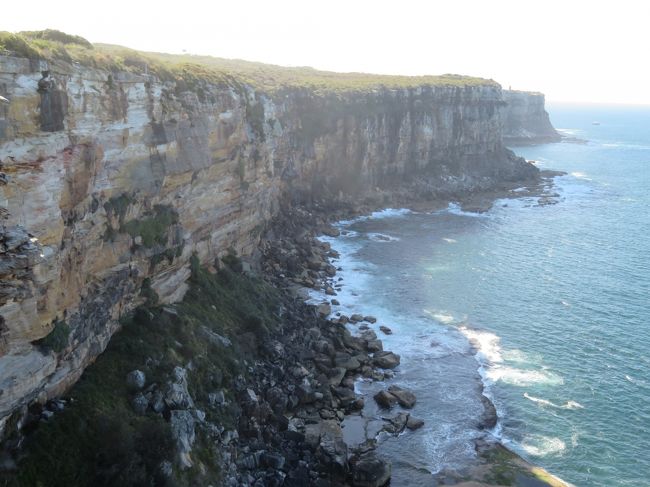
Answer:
(370, 319)
(405, 397)
(489, 417)
(397, 423)
(335, 302)
(374, 346)
(355, 318)
(386, 360)
(324, 309)
(330, 231)
(386, 330)
(370, 471)
(385, 399)
(135, 379)
(414, 423)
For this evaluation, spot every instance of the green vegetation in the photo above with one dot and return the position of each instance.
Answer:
(152, 229)
(168, 254)
(507, 468)
(57, 339)
(99, 440)
(193, 72)
(117, 206)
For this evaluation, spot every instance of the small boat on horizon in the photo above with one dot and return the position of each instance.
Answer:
(595, 123)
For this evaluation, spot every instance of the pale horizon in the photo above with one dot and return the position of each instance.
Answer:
(583, 52)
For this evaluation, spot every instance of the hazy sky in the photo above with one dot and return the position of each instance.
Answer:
(591, 51)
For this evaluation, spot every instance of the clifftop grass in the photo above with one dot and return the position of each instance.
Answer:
(53, 45)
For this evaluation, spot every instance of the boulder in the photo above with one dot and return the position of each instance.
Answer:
(177, 396)
(397, 423)
(370, 319)
(182, 426)
(324, 309)
(386, 360)
(385, 399)
(140, 404)
(336, 376)
(346, 361)
(414, 423)
(405, 397)
(330, 231)
(371, 471)
(136, 379)
(355, 318)
(386, 330)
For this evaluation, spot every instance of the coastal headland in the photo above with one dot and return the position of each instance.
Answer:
(159, 218)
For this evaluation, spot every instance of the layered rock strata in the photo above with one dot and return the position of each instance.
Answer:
(111, 181)
(525, 119)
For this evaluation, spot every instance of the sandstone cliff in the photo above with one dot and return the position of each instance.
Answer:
(525, 120)
(111, 180)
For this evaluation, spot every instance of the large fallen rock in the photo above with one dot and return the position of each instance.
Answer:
(405, 397)
(385, 399)
(386, 360)
(371, 471)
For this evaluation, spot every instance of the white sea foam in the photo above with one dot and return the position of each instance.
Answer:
(486, 344)
(580, 175)
(455, 209)
(380, 237)
(521, 377)
(491, 358)
(545, 402)
(450, 240)
(377, 215)
(443, 317)
(541, 446)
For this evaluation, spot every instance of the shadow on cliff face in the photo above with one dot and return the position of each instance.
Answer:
(53, 105)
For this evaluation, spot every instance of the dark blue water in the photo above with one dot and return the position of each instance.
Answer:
(554, 299)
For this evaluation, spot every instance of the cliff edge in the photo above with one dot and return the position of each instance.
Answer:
(525, 119)
(116, 167)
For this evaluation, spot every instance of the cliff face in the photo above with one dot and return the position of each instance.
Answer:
(110, 182)
(525, 120)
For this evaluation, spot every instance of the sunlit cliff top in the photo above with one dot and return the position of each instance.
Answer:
(52, 45)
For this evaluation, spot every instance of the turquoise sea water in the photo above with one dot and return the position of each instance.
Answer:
(553, 299)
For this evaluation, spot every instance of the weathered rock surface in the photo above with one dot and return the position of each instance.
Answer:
(525, 120)
(386, 360)
(405, 397)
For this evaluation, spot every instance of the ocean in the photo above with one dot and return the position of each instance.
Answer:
(545, 307)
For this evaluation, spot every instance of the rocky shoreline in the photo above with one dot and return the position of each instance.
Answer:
(282, 417)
